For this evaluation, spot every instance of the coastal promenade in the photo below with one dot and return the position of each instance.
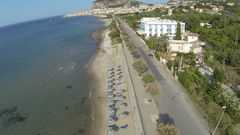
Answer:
(174, 105)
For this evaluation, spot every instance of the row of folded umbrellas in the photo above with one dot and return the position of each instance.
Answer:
(114, 96)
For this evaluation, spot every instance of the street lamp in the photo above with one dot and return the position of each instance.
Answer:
(224, 108)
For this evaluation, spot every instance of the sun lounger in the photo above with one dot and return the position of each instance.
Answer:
(124, 126)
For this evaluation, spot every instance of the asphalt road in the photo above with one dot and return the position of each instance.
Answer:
(174, 105)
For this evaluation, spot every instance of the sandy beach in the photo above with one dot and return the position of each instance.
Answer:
(108, 57)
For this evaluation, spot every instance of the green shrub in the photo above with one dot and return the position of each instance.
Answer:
(130, 45)
(165, 129)
(153, 88)
(169, 64)
(218, 75)
(135, 54)
(185, 80)
(115, 33)
(140, 66)
(148, 78)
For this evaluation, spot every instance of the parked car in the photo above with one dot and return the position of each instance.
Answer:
(150, 55)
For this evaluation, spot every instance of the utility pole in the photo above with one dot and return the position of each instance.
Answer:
(173, 68)
(180, 65)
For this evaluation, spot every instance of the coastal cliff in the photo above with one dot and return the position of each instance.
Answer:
(100, 4)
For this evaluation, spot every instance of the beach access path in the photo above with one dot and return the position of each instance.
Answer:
(108, 57)
(173, 103)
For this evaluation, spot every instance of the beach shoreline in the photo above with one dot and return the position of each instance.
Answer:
(95, 81)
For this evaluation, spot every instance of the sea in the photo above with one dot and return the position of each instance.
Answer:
(44, 80)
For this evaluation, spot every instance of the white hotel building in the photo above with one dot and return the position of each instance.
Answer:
(159, 27)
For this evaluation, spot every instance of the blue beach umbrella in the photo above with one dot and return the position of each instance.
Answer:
(111, 102)
(112, 106)
(112, 115)
(111, 125)
(124, 126)
(120, 91)
(119, 94)
(121, 98)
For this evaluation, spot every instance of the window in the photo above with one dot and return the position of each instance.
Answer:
(142, 26)
(169, 30)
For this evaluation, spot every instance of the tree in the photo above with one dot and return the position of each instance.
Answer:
(190, 59)
(130, 45)
(185, 80)
(169, 64)
(140, 66)
(135, 53)
(153, 88)
(165, 129)
(148, 78)
(157, 43)
(178, 33)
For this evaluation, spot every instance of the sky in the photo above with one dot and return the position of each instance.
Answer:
(15, 11)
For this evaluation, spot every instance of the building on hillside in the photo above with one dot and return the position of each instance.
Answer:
(159, 27)
(178, 46)
(173, 2)
(191, 37)
(230, 4)
(191, 44)
(208, 25)
(187, 2)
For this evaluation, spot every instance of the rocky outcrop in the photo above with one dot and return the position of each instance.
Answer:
(99, 4)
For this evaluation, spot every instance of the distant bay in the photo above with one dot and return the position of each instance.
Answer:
(44, 84)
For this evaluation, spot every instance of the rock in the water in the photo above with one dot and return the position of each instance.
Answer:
(69, 87)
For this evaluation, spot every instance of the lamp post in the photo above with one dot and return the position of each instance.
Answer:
(224, 108)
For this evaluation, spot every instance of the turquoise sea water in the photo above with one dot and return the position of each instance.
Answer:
(44, 85)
